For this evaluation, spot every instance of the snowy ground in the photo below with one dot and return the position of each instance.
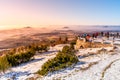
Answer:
(27, 70)
(113, 72)
(103, 66)
(89, 68)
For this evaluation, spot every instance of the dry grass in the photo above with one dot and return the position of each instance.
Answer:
(32, 78)
(86, 68)
(91, 45)
(106, 68)
(96, 45)
(111, 51)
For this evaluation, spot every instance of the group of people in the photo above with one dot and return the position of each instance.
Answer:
(90, 36)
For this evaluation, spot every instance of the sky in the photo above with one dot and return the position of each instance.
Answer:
(21, 13)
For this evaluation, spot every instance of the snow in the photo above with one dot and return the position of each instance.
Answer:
(98, 40)
(113, 72)
(60, 46)
(91, 50)
(92, 73)
(26, 70)
(117, 42)
(91, 65)
(107, 41)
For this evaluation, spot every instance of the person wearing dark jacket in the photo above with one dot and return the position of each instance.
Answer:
(102, 34)
(117, 35)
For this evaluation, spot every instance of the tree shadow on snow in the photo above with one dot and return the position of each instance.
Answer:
(31, 61)
(16, 75)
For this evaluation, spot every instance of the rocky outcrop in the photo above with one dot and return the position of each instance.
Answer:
(81, 43)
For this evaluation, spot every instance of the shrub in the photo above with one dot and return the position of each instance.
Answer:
(21, 57)
(62, 60)
(72, 45)
(66, 49)
(4, 64)
(41, 48)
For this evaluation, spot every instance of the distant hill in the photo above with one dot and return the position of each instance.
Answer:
(28, 27)
(66, 27)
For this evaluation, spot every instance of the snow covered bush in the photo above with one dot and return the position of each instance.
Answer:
(62, 60)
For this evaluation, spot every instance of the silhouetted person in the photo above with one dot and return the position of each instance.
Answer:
(117, 35)
(102, 34)
(107, 35)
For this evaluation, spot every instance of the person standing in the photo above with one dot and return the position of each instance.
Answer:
(117, 34)
(102, 34)
(107, 35)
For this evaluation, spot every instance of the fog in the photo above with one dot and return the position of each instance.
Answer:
(95, 28)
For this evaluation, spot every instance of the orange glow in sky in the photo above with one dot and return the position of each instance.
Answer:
(21, 13)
